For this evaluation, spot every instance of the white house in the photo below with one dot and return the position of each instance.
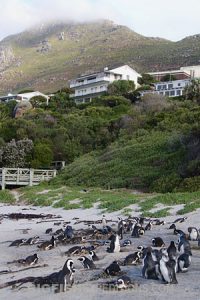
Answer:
(90, 86)
(169, 88)
(28, 96)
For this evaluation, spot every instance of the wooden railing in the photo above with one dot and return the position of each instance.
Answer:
(18, 176)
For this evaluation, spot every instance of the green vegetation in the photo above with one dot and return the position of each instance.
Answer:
(6, 197)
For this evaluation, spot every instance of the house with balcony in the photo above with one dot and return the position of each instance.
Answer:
(173, 88)
(93, 85)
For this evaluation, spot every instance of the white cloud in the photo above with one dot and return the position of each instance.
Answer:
(171, 19)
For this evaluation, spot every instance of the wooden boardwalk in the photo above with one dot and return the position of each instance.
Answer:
(18, 176)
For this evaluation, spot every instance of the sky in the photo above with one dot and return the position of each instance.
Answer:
(171, 19)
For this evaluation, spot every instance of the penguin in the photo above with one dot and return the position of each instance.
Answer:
(171, 250)
(149, 266)
(133, 258)
(61, 278)
(48, 244)
(180, 220)
(74, 250)
(158, 222)
(158, 242)
(136, 231)
(148, 226)
(126, 243)
(113, 269)
(184, 261)
(114, 244)
(49, 230)
(17, 243)
(123, 282)
(184, 245)
(176, 231)
(104, 221)
(59, 231)
(77, 239)
(32, 241)
(193, 233)
(167, 268)
(120, 226)
(68, 233)
(29, 260)
(93, 256)
(87, 263)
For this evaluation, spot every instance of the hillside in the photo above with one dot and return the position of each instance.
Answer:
(46, 57)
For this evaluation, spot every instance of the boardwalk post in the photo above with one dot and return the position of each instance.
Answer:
(3, 179)
(31, 177)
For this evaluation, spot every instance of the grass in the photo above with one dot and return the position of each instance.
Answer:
(6, 197)
(107, 200)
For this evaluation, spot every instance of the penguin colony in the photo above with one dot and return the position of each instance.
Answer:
(159, 260)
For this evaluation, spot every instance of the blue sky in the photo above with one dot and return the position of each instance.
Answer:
(172, 19)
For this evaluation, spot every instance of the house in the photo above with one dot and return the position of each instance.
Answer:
(9, 97)
(28, 96)
(169, 88)
(93, 85)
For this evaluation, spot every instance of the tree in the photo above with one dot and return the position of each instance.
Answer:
(192, 91)
(14, 153)
(146, 79)
(121, 87)
(42, 156)
(39, 102)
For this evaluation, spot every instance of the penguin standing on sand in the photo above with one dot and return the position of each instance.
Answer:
(114, 244)
(193, 233)
(87, 263)
(149, 266)
(171, 250)
(68, 233)
(167, 268)
(184, 245)
(136, 231)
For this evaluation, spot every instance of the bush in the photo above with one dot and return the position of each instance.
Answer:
(191, 184)
(166, 184)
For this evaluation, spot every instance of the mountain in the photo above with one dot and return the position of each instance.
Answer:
(46, 57)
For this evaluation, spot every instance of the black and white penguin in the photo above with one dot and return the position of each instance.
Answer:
(158, 242)
(176, 231)
(184, 261)
(18, 242)
(120, 227)
(114, 244)
(180, 220)
(113, 269)
(104, 221)
(29, 260)
(136, 231)
(123, 282)
(167, 268)
(47, 245)
(133, 258)
(87, 263)
(126, 243)
(93, 256)
(149, 226)
(49, 230)
(68, 233)
(158, 222)
(75, 250)
(193, 233)
(149, 265)
(171, 250)
(61, 278)
(184, 245)
(32, 241)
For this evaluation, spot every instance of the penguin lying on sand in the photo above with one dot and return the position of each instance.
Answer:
(93, 256)
(133, 258)
(113, 269)
(158, 242)
(123, 282)
(29, 260)
(48, 244)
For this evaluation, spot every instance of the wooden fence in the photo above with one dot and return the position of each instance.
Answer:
(18, 176)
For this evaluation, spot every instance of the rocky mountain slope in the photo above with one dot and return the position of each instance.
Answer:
(46, 57)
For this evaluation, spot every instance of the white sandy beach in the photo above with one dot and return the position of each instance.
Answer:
(188, 286)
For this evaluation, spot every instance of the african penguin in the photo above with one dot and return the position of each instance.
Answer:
(193, 233)
(48, 244)
(133, 258)
(184, 245)
(87, 263)
(17, 242)
(93, 256)
(113, 269)
(167, 268)
(171, 250)
(114, 244)
(158, 242)
(68, 232)
(149, 266)
(184, 261)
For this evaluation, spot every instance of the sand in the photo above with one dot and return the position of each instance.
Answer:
(188, 286)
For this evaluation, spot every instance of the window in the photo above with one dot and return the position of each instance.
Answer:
(179, 84)
(158, 87)
(170, 86)
(172, 93)
(91, 78)
(166, 93)
(101, 87)
(178, 92)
